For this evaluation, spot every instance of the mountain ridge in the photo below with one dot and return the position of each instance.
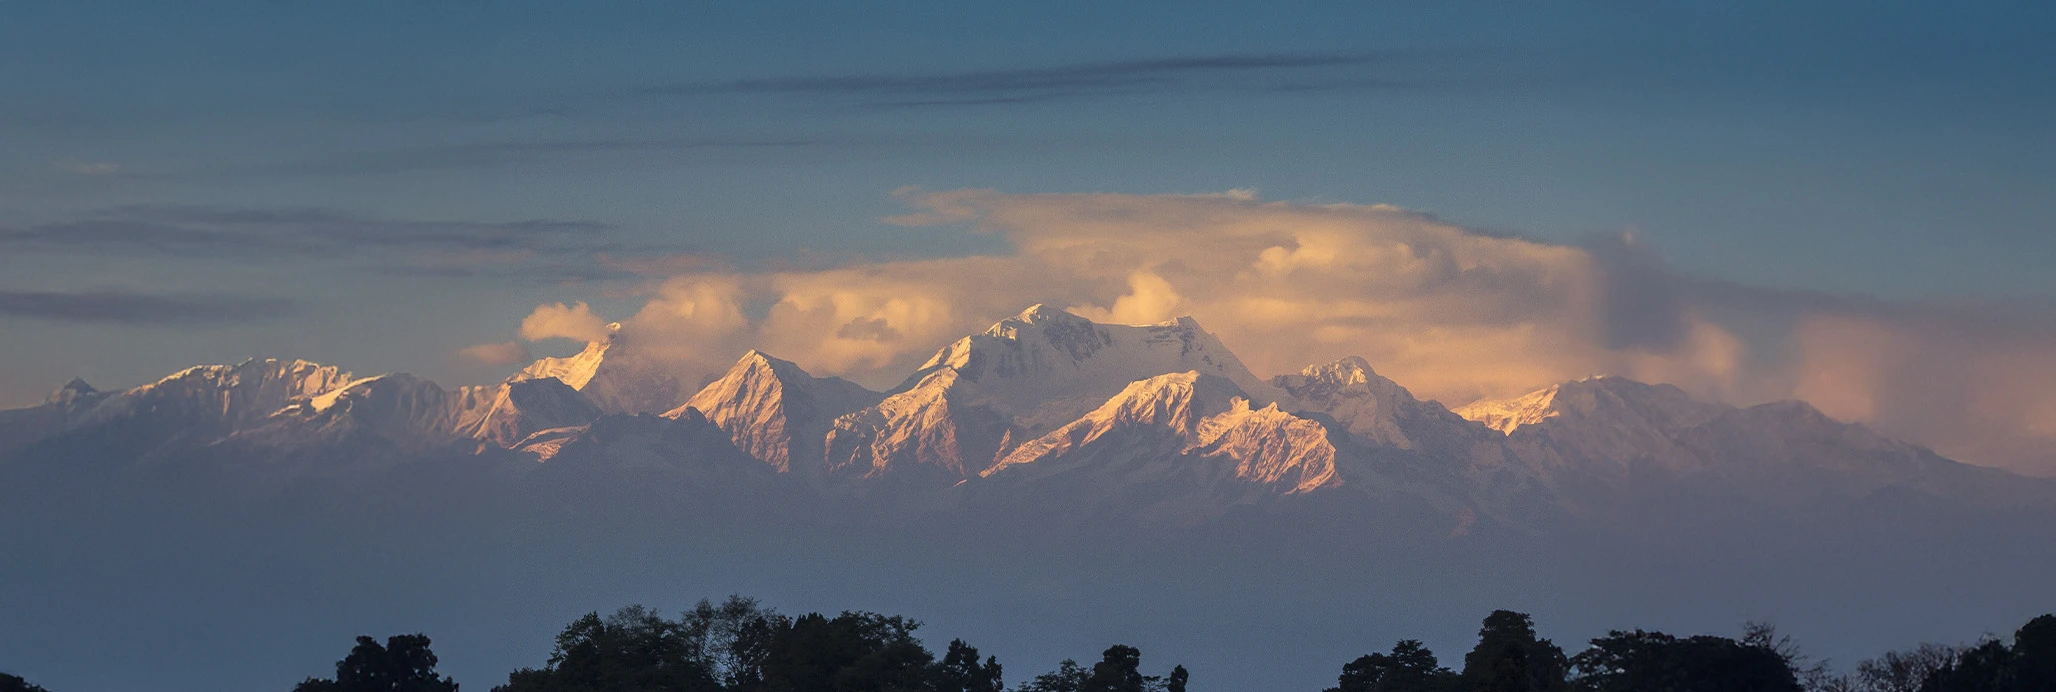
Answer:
(1047, 394)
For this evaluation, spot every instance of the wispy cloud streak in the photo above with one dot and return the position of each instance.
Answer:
(217, 231)
(127, 308)
(1014, 86)
(539, 248)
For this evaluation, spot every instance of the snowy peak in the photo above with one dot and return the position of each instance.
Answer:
(575, 370)
(774, 410)
(1616, 401)
(1064, 331)
(1374, 409)
(620, 442)
(1508, 415)
(942, 427)
(72, 391)
(1044, 355)
(414, 413)
(1166, 409)
(1173, 424)
(1271, 447)
(1351, 370)
(1178, 401)
(521, 409)
(401, 408)
(224, 397)
(1028, 374)
(1598, 439)
(1040, 314)
(613, 376)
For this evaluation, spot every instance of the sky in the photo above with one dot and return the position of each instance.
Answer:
(1846, 203)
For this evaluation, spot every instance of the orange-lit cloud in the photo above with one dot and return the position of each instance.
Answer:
(503, 353)
(560, 321)
(1452, 313)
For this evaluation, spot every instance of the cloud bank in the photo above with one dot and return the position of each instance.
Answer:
(1452, 313)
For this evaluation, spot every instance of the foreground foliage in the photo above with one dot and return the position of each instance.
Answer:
(739, 645)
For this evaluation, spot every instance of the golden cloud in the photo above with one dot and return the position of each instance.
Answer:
(1452, 313)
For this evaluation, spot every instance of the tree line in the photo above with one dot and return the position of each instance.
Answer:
(739, 645)
(1510, 657)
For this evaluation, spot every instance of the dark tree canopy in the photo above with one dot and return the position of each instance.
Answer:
(741, 646)
(2029, 665)
(633, 650)
(1068, 677)
(738, 646)
(1411, 667)
(1119, 670)
(1903, 671)
(852, 652)
(1510, 658)
(403, 664)
(960, 671)
(14, 683)
(1642, 661)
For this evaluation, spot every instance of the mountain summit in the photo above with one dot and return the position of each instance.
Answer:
(979, 397)
(775, 411)
(613, 375)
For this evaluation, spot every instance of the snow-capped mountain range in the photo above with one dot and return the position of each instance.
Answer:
(1048, 399)
(1049, 477)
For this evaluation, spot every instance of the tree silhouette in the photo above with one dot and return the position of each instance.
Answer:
(960, 671)
(13, 683)
(1904, 671)
(1119, 670)
(2034, 652)
(852, 652)
(1641, 661)
(2029, 665)
(1509, 658)
(1411, 667)
(404, 664)
(1176, 682)
(634, 649)
(1068, 677)
(740, 646)
(734, 638)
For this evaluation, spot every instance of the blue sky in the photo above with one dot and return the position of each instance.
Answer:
(349, 157)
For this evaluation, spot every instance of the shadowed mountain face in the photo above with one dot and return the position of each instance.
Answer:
(1044, 487)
